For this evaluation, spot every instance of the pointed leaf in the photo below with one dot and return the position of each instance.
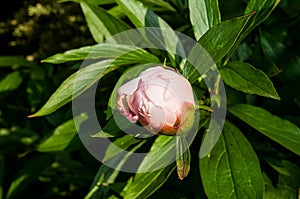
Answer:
(280, 130)
(62, 135)
(101, 24)
(104, 50)
(263, 9)
(244, 77)
(83, 79)
(232, 168)
(204, 14)
(217, 41)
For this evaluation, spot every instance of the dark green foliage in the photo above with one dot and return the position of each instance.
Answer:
(255, 45)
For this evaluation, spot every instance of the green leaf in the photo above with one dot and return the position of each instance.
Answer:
(114, 156)
(145, 184)
(281, 190)
(285, 58)
(232, 168)
(217, 41)
(158, 5)
(262, 9)
(62, 135)
(101, 24)
(265, 65)
(142, 17)
(292, 176)
(11, 81)
(244, 77)
(83, 79)
(105, 50)
(161, 154)
(112, 129)
(204, 14)
(8, 61)
(32, 169)
(118, 147)
(158, 165)
(280, 130)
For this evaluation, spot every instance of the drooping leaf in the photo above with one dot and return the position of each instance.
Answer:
(104, 50)
(232, 170)
(11, 81)
(204, 14)
(62, 135)
(74, 85)
(280, 130)
(244, 77)
(101, 24)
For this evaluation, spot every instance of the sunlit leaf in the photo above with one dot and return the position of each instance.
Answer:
(83, 79)
(232, 170)
(145, 184)
(105, 51)
(217, 41)
(101, 24)
(244, 77)
(62, 135)
(280, 130)
(143, 17)
(204, 14)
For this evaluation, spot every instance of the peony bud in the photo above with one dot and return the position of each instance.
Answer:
(160, 99)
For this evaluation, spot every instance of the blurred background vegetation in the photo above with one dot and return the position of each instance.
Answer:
(32, 30)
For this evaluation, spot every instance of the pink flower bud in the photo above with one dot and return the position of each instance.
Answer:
(160, 99)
